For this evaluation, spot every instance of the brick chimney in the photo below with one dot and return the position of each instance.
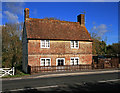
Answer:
(81, 19)
(26, 13)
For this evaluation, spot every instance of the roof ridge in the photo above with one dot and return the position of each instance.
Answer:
(50, 20)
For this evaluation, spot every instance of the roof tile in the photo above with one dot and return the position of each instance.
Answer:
(55, 29)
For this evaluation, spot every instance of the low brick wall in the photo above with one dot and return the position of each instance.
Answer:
(106, 63)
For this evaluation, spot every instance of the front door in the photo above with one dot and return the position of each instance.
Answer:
(60, 61)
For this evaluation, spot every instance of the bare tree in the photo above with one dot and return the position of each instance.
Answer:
(11, 45)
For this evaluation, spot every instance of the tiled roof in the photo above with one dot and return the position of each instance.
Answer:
(55, 29)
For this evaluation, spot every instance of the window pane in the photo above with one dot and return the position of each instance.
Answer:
(76, 61)
(42, 62)
(76, 43)
(72, 61)
(59, 62)
(47, 62)
(47, 43)
(72, 44)
(43, 43)
(62, 62)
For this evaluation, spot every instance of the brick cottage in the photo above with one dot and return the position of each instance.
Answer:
(55, 43)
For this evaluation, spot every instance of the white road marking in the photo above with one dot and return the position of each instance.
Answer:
(34, 88)
(109, 80)
(47, 87)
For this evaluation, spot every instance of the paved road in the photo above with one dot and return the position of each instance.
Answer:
(57, 82)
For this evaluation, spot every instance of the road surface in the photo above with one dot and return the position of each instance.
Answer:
(92, 82)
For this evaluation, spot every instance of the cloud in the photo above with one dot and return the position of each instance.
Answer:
(101, 29)
(93, 22)
(15, 7)
(34, 12)
(110, 25)
(13, 11)
(12, 18)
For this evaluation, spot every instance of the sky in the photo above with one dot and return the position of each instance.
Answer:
(100, 17)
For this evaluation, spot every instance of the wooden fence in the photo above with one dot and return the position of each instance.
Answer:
(35, 69)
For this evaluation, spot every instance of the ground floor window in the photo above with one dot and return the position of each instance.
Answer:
(60, 61)
(74, 60)
(45, 62)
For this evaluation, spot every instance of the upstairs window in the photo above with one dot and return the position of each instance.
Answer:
(45, 62)
(75, 44)
(74, 61)
(45, 44)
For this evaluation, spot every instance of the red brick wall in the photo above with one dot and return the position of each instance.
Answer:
(59, 49)
(34, 60)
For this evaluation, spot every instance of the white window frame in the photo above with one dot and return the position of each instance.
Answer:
(45, 61)
(45, 43)
(57, 61)
(74, 42)
(74, 60)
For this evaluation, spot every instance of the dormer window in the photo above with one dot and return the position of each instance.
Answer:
(45, 43)
(75, 44)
